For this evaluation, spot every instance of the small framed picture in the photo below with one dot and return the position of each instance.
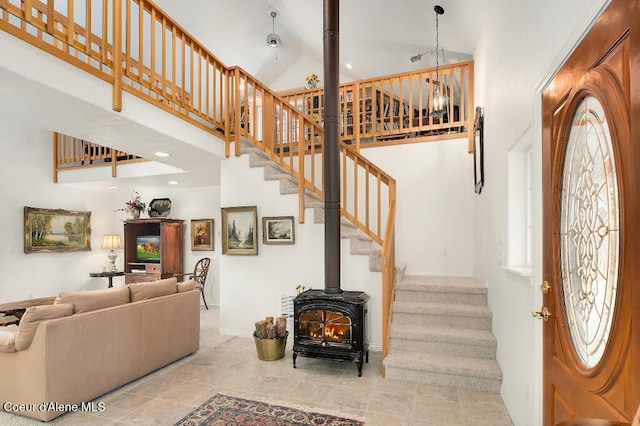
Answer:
(278, 230)
(202, 234)
(240, 230)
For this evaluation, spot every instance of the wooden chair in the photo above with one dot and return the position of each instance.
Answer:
(199, 274)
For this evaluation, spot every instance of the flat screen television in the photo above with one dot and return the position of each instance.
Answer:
(148, 248)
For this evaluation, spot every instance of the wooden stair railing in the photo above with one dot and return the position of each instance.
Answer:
(185, 79)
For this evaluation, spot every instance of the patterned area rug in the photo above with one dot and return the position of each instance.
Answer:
(229, 410)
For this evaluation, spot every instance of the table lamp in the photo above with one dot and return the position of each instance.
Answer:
(111, 242)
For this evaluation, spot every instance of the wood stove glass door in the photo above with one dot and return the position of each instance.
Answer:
(325, 327)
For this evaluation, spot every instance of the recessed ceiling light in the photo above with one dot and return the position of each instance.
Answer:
(172, 182)
(114, 187)
(348, 65)
(161, 154)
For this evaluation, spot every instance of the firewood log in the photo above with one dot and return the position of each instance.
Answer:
(281, 325)
(259, 332)
(263, 326)
(271, 331)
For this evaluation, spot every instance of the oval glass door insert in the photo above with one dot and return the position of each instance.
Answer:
(589, 231)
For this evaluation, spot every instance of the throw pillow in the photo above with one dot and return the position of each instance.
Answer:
(8, 338)
(186, 286)
(86, 301)
(34, 316)
(150, 290)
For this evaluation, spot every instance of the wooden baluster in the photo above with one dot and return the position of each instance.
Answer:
(28, 10)
(141, 42)
(105, 31)
(127, 40)
(70, 22)
(117, 52)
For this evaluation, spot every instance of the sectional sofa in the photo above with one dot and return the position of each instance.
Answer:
(62, 356)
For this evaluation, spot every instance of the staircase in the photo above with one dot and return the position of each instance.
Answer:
(441, 328)
(441, 334)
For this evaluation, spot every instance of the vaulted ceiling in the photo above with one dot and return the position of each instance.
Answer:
(377, 37)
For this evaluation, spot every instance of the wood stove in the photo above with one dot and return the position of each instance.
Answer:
(331, 323)
(331, 326)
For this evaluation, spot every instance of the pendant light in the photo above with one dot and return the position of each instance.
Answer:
(440, 101)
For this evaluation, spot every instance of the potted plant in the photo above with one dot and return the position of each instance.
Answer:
(135, 206)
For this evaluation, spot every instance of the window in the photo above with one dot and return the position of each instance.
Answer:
(519, 257)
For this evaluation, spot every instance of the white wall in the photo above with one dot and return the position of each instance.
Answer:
(250, 286)
(28, 178)
(435, 209)
(510, 60)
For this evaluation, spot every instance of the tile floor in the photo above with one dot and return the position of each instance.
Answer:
(229, 365)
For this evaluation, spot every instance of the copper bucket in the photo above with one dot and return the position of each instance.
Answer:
(270, 349)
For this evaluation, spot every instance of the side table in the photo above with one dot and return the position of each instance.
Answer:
(107, 274)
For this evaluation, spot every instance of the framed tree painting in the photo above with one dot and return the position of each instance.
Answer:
(202, 234)
(240, 230)
(278, 230)
(47, 230)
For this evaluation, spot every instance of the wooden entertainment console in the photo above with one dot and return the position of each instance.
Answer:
(171, 234)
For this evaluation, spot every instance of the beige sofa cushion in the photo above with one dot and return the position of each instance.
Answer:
(34, 316)
(186, 286)
(150, 290)
(86, 301)
(8, 338)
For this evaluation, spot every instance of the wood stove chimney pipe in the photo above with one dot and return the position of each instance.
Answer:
(331, 49)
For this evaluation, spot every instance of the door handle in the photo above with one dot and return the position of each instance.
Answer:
(545, 287)
(543, 313)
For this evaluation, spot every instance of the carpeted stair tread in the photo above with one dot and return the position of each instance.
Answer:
(441, 284)
(422, 308)
(443, 334)
(445, 364)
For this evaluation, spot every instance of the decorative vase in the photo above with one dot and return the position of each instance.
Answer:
(135, 214)
(312, 85)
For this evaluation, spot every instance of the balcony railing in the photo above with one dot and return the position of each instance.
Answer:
(137, 48)
(73, 153)
(398, 108)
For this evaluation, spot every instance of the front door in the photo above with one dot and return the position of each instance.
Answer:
(591, 225)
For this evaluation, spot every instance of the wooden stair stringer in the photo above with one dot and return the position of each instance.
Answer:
(359, 243)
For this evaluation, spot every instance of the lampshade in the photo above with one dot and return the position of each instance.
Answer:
(111, 241)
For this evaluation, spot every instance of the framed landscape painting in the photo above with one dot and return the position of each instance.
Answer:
(47, 230)
(201, 234)
(239, 230)
(278, 230)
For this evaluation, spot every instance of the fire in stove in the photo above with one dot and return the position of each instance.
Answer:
(338, 334)
(325, 326)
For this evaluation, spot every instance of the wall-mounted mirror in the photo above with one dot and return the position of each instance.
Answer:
(478, 150)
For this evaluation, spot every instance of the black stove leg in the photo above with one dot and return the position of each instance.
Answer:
(295, 355)
(367, 357)
(359, 364)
